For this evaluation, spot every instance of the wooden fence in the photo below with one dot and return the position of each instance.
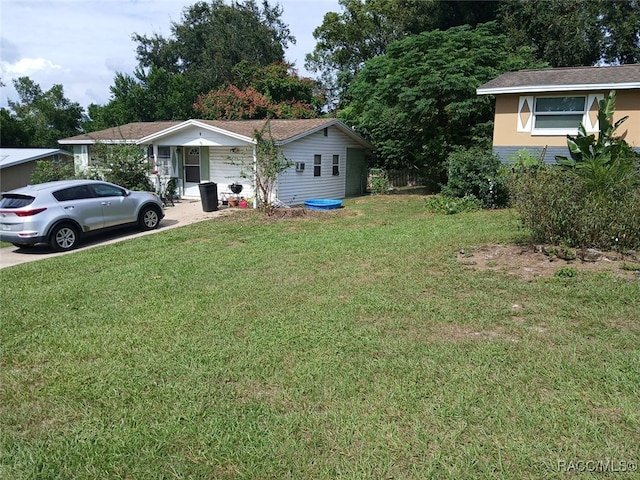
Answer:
(404, 178)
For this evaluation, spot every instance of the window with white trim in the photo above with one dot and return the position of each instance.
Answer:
(558, 112)
(317, 165)
(336, 165)
(558, 115)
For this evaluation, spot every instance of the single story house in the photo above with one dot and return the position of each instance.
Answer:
(17, 164)
(537, 109)
(329, 158)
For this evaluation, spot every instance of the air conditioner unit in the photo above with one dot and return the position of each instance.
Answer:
(299, 166)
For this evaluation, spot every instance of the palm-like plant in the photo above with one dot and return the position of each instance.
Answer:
(606, 162)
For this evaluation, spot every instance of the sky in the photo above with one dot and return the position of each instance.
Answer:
(82, 44)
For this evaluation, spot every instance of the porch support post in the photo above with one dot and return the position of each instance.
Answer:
(255, 182)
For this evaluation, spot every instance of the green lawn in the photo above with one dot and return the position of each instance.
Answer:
(345, 345)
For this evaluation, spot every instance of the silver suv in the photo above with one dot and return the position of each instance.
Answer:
(58, 213)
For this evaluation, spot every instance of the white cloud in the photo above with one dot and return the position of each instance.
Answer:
(26, 67)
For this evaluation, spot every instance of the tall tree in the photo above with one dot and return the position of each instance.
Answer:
(198, 57)
(620, 24)
(12, 130)
(213, 38)
(44, 117)
(564, 33)
(274, 91)
(365, 28)
(144, 96)
(418, 102)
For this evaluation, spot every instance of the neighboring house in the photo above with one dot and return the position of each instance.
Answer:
(536, 109)
(17, 164)
(329, 158)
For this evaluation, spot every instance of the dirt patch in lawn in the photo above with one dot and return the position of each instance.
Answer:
(536, 261)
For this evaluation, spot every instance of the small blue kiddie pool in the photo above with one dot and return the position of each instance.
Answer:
(322, 204)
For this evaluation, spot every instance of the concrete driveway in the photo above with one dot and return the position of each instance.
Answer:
(184, 212)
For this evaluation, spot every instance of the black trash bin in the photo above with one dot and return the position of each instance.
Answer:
(209, 196)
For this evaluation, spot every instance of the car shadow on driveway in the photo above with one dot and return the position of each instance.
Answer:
(101, 237)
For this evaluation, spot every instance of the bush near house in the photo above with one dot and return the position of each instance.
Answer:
(476, 172)
(557, 206)
(48, 171)
(124, 165)
(591, 200)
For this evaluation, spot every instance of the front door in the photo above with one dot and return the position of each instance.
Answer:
(192, 172)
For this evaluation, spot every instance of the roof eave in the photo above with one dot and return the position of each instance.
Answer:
(557, 88)
(192, 123)
(92, 141)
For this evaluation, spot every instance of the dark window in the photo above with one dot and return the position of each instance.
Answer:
(73, 193)
(336, 165)
(317, 165)
(326, 131)
(104, 190)
(15, 201)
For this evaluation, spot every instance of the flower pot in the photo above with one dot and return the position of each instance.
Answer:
(233, 202)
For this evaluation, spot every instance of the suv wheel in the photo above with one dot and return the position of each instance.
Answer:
(149, 218)
(63, 237)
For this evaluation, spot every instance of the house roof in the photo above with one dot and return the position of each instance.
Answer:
(619, 77)
(15, 156)
(282, 131)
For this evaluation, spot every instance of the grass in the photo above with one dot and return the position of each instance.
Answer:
(342, 345)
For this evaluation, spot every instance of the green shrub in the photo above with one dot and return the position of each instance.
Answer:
(566, 272)
(559, 208)
(448, 205)
(476, 172)
(50, 171)
(378, 181)
(525, 160)
(124, 165)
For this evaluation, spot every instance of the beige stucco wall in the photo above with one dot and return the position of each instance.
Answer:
(506, 120)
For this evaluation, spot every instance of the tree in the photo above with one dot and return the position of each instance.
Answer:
(44, 117)
(274, 91)
(365, 28)
(620, 24)
(199, 57)
(418, 102)
(148, 95)
(269, 163)
(575, 32)
(14, 133)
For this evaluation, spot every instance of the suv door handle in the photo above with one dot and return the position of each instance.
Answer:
(105, 203)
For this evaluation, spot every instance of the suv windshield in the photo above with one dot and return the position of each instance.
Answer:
(15, 201)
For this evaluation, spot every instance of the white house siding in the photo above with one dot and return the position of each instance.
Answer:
(296, 187)
(225, 169)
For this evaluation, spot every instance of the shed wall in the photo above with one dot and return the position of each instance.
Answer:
(296, 187)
